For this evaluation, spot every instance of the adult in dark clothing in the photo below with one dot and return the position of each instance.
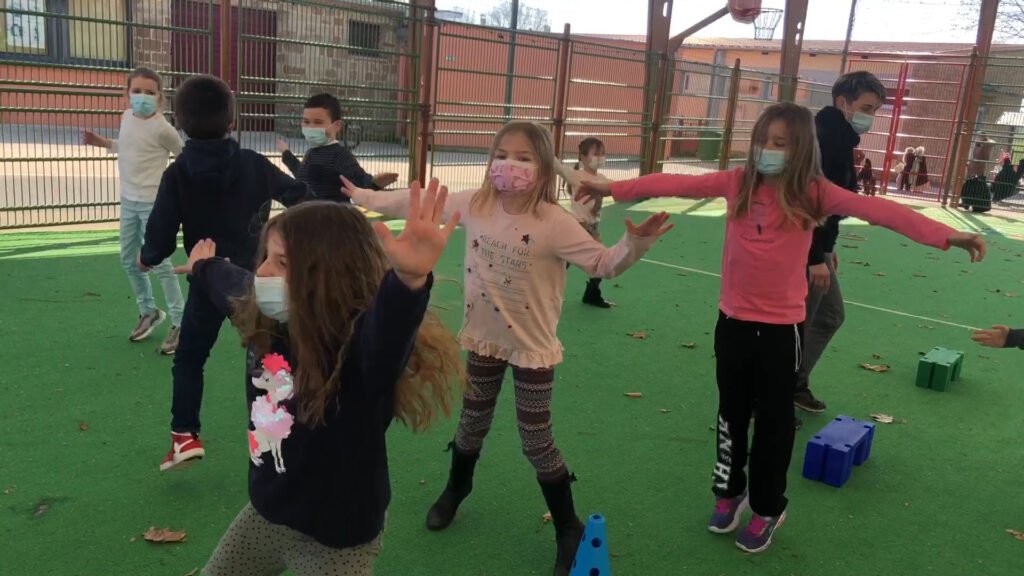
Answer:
(1007, 180)
(218, 190)
(327, 160)
(905, 177)
(856, 97)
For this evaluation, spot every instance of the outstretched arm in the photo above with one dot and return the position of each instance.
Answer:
(222, 281)
(711, 185)
(898, 218)
(1000, 337)
(396, 203)
(578, 248)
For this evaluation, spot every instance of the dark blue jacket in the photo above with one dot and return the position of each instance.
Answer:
(218, 190)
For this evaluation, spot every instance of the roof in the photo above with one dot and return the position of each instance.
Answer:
(1012, 119)
(823, 46)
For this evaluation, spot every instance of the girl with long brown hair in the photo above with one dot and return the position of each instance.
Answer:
(339, 343)
(518, 240)
(774, 203)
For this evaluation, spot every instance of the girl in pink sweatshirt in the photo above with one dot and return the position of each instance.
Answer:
(518, 240)
(774, 203)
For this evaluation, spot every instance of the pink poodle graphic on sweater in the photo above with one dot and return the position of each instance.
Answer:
(272, 421)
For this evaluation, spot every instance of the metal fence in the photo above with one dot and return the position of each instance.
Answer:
(423, 97)
(62, 69)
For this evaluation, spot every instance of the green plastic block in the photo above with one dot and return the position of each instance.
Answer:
(939, 368)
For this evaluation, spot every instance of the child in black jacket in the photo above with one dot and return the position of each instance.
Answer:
(338, 346)
(218, 190)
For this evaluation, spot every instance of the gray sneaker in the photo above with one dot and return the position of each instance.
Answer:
(170, 344)
(727, 514)
(147, 322)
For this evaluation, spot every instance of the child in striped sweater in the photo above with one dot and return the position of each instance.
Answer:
(327, 160)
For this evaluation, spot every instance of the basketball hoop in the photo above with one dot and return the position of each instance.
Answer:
(766, 22)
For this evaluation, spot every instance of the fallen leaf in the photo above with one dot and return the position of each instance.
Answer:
(876, 367)
(83, 426)
(664, 411)
(903, 420)
(883, 418)
(983, 357)
(876, 356)
(879, 273)
(851, 246)
(193, 572)
(634, 394)
(637, 335)
(995, 290)
(926, 327)
(546, 517)
(904, 245)
(932, 257)
(1011, 294)
(41, 509)
(680, 273)
(690, 345)
(851, 236)
(9, 490)
(93, 294)
(920, 275)
(1016, 534)
(422, 482)
(132, 539)
(163, 535)
(712, 428)
(859, 262)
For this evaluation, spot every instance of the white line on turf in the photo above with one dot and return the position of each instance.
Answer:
(850, 302)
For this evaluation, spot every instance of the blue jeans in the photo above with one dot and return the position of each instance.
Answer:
(134, 216)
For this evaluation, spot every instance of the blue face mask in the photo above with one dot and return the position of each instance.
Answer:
(143, 104)
(315, 136)
(770, 162)
(861, 122)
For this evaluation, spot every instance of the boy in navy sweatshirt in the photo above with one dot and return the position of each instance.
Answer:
(327, 160)
(214, 189)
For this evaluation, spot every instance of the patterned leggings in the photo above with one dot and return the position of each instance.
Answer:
(533, 411)
(253, 546)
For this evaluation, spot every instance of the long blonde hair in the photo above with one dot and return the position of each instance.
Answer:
(543, 148)
(803, 166)
(335, 267)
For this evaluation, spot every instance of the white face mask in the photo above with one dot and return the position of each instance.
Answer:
(597, 162)
(272, 297)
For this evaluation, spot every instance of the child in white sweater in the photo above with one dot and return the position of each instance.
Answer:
(142, 148)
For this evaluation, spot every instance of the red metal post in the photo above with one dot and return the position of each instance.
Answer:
(894, 126)
(427, 50)
(792, 43)
(225, 41)
(561, 90)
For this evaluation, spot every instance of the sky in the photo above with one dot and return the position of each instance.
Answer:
(888, 20)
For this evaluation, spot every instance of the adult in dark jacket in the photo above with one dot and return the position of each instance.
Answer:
(856, 97)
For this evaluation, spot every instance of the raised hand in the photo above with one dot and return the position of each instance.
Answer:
(417, 248)
(653, 226)
(385, 179)
(282, 145)
(974, 244)
(92, 139)
(589, 190)
(994, 338)
(203, 250)
(349, 189)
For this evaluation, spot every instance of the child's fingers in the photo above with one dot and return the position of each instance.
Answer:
(414, 201)
(442, 199)
(429, 201)
(383, 234)
(450, 225)
(183, 269)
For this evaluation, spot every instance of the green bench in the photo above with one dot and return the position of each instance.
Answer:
(938, 368)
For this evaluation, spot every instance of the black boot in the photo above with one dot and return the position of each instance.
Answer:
(592, 295)
(568, 528)
(460, 484)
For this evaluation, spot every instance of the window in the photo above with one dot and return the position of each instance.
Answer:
(363, 38)
(93, 33)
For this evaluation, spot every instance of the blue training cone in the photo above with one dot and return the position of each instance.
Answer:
(592, 555)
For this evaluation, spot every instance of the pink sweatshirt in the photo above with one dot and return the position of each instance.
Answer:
(764, 259)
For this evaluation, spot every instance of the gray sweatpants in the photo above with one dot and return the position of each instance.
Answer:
(253, 546)
(825, 314)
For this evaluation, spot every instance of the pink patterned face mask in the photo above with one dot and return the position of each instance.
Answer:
(513, 176)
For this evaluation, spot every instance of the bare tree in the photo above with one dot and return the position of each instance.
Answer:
(1009, 22)
(529, 18)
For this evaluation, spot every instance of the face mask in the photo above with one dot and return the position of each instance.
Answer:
(597, 162)
(770, 162)
(143, 104)
(315, 136)
(512, 176)
(861, 122)
(272, 297)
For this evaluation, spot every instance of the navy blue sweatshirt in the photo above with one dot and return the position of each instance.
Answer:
(322, 168)
(218, 190)
(836, 140)
(335, 486)
(1015, 339)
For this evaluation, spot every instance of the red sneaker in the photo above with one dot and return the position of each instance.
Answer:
(184, 449)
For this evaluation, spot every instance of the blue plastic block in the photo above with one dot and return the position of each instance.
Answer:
(592, 555)
(831, 455)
